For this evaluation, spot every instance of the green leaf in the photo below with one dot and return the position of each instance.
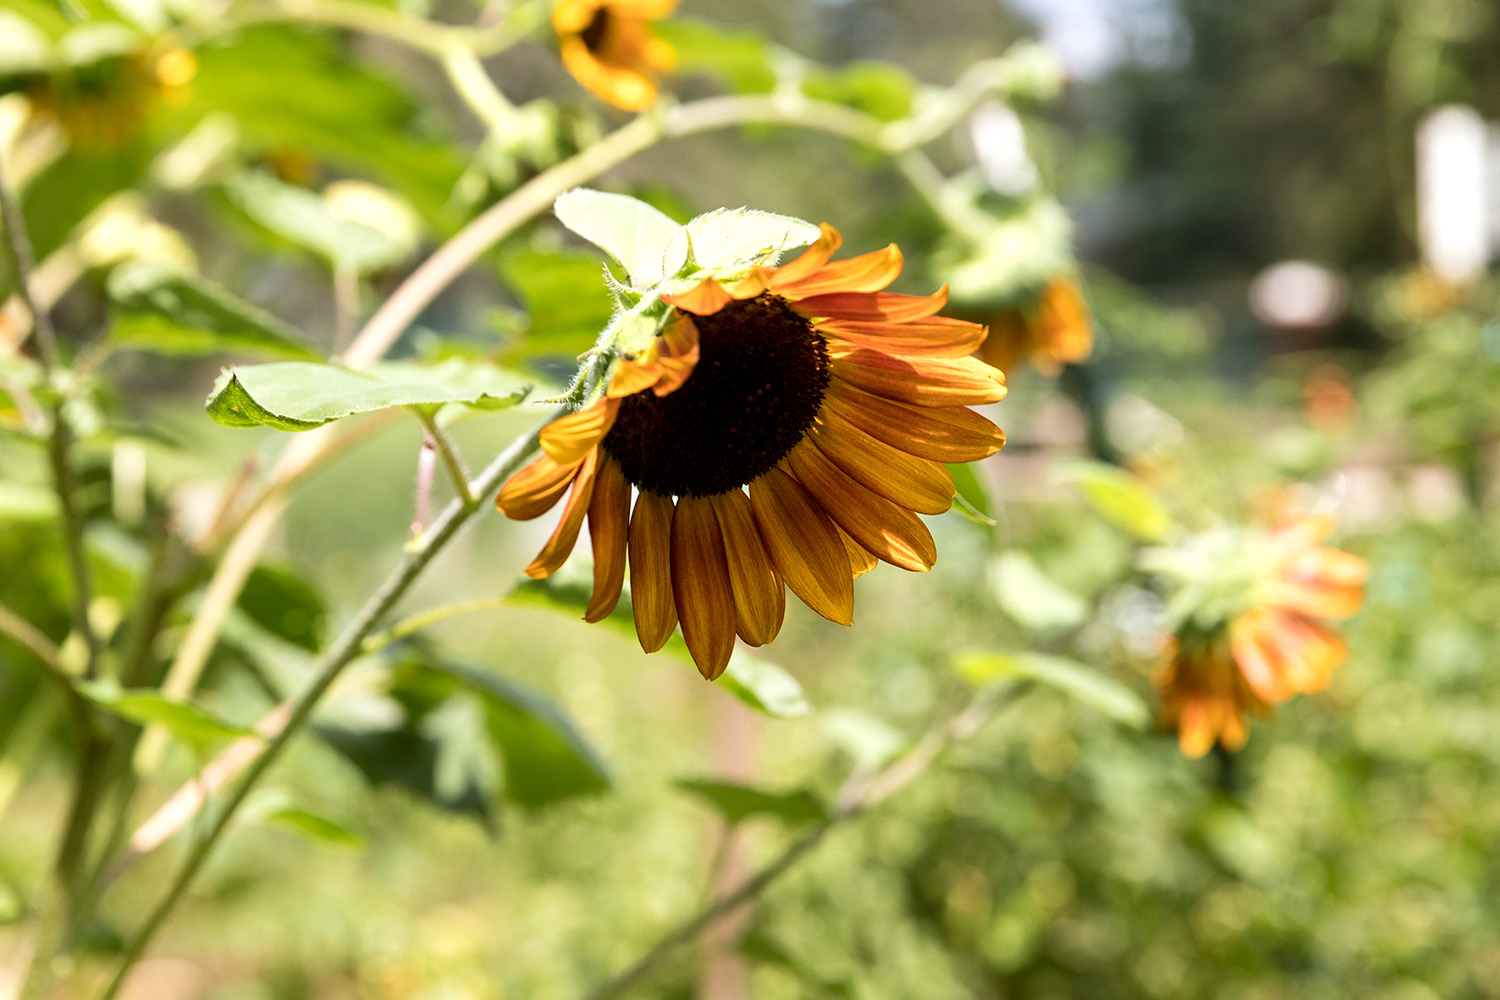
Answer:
(162, 309)
(626, 228)
(285, 605)
(409, 759)
(871, 742)
(301, 217)
(292, 396)
(1118, 497)
(275, 808)
(725, 237)
(192, 725)
(1102, 693)
(1031, 597)
(741, 60)
(565, 299)
(761, 684)
(881, 89)
(972, 500)
(545, 759)
(736, 802)
(24, 502)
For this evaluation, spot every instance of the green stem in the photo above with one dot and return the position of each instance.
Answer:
(422, 619)
(448, 453)
(329, 666)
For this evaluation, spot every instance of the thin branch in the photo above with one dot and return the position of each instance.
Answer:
(32, 638)
(427, 36)
(415, 623)
(858, 795)
(328, 668)
(448, 452)
(24, 261)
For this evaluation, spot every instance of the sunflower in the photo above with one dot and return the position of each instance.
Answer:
(608, 47)
(836, 403)
(1272, 649)
(1052, 331)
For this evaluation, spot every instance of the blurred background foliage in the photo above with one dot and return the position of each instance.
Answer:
(511, 804)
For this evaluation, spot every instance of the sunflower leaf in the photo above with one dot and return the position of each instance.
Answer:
(301, 217)
(737, 803)
(1118, 497)
(1033, 598)
(626, 228)
(1102, 693)
(726, 237)
(293, 396)
(191, 724)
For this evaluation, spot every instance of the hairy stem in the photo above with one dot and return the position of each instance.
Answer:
(329, 666)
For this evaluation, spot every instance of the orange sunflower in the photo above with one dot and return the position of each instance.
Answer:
(836, 403)
(1052, 331)
(1273, 649)
(608, 47)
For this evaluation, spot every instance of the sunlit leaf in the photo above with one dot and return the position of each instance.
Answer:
(626, 228)
(870, 741)
(881, 89)
(1031, 597)
(277, 809)
(1119, 497)
(741, 60)
(736, 802)
(741, 236)
(160, 308)
(293, 396)
(302, 217)
(24, 502)
(1100, 692)
(972, 499)
(189, 723)
(565, 300)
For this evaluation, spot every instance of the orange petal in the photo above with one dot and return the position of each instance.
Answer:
(568, 439)
(680, 356)
(914, 483)
(810, 260)
(883, 529)
(705, 299)
(560, 545)
(923, 381)
(609, 526)
(651, 570)
(804, 545)
(624, 86)
(535, 489)
(632, 376)
(866, 273)
(860, 561)
(701, 585)
(940, 433)
(873, 306)
(759, 597)
(934, 337)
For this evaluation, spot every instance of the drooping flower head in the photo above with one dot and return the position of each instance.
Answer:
(783, 428)
(1256, 636)
(608, 47)
(1051, 331)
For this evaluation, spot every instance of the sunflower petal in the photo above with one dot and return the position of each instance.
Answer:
(809, 260)
(565, 535)
(759, 597)
(939, 433)
(934, 337)
(923, 381)
(873, 306)
(866, 273)
(883, 529)
(569, 438)
(860, 561)
(914, 483)
(804, 545)
(609, 524)
(701, 585)
(651, 570)
(535, 489)
(703, 299)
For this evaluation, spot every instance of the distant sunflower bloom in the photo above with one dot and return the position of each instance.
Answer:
(834, 402)
(1276, 648)
(608, 47)
(1052, 331)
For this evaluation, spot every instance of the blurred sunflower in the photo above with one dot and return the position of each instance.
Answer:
(608, 47)
(1050, 332)
(101, 105)
(835, 402)
(1273, 647)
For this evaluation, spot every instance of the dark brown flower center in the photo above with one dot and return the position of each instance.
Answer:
(598, 27)
(761, 374)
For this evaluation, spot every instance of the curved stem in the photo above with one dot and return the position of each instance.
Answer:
(329, 666)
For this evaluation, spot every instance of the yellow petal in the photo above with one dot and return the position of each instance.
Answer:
(804, 545)
(560, 545)
(651, 570)
(866, 273)
(701, 585)
(922, 381)
(939, 433)
(888, 532)
(535, 489)
(609, 527)
(567, 439)
(914, 483)
(759, 597)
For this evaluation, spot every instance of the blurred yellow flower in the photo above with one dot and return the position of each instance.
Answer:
(608, 47)
(1274, 648)
(1053, 331)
